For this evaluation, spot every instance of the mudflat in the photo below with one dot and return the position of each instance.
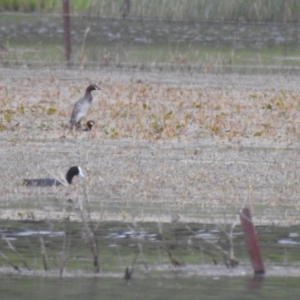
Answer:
(165, 147)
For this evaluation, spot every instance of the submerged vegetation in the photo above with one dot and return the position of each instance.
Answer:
(188, 10)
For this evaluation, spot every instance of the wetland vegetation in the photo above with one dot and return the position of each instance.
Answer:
(173, 157)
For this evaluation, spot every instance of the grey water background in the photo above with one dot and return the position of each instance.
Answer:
(150, 288)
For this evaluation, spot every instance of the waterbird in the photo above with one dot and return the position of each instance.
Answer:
(82, 106)
(43, 182)
(89, 125)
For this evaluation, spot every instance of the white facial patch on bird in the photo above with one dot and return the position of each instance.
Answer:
(80, 172)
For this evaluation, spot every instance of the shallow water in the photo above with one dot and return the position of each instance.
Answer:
(148, 248)
(151, 287)
(153, 274)
(126, 181)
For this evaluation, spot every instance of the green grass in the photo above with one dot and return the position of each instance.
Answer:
(38, 51)
(43, 54)
(189, 10)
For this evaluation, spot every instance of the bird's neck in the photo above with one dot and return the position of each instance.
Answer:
(89, 96)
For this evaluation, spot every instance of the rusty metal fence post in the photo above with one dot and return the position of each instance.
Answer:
(251, 242)
(67, 34)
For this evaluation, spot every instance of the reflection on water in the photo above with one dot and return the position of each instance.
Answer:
(150, 250)
(190, 249)
(152, 287)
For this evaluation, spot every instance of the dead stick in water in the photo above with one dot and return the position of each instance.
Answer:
(12, 248)
(9, 262)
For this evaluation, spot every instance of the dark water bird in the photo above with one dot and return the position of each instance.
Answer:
(43, 182)
(89, 125)
(82, 106)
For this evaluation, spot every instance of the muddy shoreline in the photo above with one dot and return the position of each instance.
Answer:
(161, 148)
